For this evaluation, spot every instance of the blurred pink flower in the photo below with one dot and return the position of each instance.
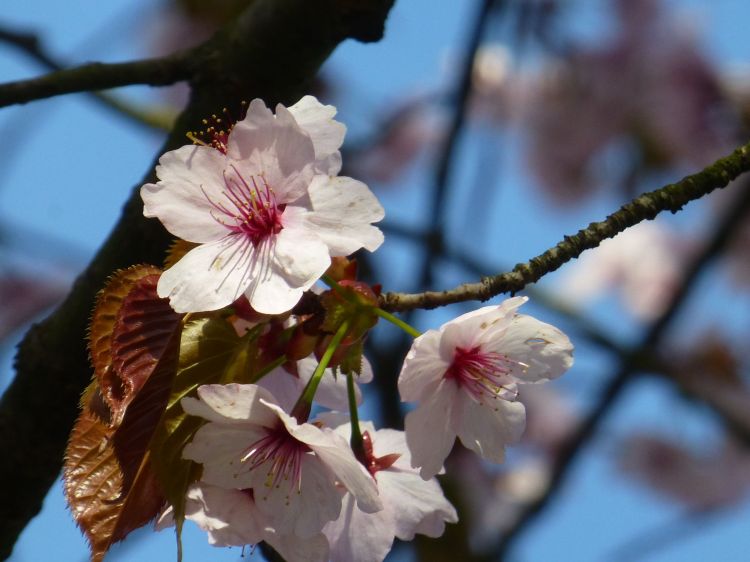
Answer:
(650, 85)
(406, 133)
(493, 499)
(643, 264)
(550, 419)
(697, 480)
(26, 295)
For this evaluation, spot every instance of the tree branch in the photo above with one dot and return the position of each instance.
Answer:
(161, 71)
(631, 364)
(645, 207)
(31, 45)
(272, 51)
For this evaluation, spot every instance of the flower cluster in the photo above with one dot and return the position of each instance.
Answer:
(265, 208)
(263, 216)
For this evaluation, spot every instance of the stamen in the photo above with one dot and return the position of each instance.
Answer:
(483, 374)
(218, 128)
(283, 454)
(252, 210)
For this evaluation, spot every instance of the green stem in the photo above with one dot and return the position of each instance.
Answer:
(413, 332)
(333, 284)
(330, 281)
(356, 438)
(305, 401)
(270, 367)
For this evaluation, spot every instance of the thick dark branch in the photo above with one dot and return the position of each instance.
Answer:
(646, 207)
(95, 76)
(272, 51)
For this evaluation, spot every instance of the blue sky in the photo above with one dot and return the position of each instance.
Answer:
(73, 165)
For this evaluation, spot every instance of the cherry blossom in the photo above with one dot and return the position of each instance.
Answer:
(232, 518)
(410, 504)
(464, 377)
(293, 469)
(265, 207)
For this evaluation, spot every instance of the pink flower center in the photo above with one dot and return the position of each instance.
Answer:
(250, 209)
(482, 373)
(281, 453)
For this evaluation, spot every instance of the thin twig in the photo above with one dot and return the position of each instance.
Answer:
(583, 326)
(629, 367)
(31, 45)
(645, 207)
(161, 71)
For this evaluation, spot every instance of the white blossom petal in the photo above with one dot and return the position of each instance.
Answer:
(285, 387)
(220, 448)
(294, 512)
(475, 327)
(326, 133)
(411, 504)
(342, 210)
(211, 276)
(296, 549)
(423, 367)
(179, 201)
(270, 292)
(542, 350)
(237, 402)
(300, 269)
(278, 151)
(228, 516)
(332, 392)
(486, 429)
(360, 536)
(421, 505)
(336, 454)
(429, 430)
(232, 518)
